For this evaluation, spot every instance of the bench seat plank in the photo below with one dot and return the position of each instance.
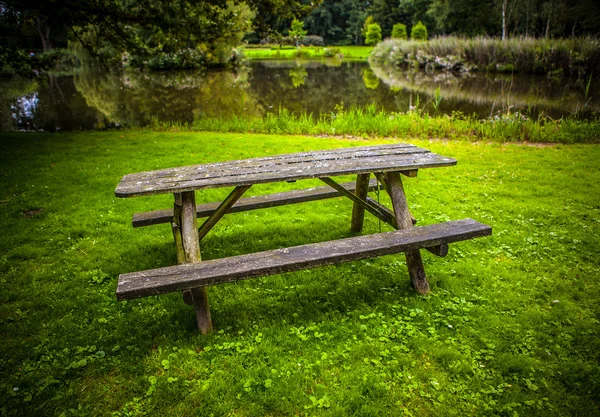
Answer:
(251, 203)
(217, 271)
(359, 160)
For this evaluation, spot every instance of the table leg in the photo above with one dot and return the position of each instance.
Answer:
(358, 211)
(404, 221)
(176, 228)
(185, 230)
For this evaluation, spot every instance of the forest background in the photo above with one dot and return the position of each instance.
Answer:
(192, 34)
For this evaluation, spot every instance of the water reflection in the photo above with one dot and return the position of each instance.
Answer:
(370, 79)
(50, 105)
(93, 100)
(316, 87)
(139, 99)
(298, 75)
(491, 93)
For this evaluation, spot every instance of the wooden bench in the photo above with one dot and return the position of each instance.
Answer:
(192, 275)
(218, 271)
(251, 203)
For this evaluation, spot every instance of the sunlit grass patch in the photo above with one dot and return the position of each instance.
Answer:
(347, 52)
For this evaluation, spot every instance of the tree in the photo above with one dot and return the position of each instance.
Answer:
(399, 31)
(328, 21)
(141, 29)
(368, 21)
(385, 13)
(297, 31)
(419, 32)
(373, 35)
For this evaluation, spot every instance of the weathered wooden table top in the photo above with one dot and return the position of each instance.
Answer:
(289, 167)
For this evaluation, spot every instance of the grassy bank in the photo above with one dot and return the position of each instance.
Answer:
(579, 57)
(347, 52)
(415, 124)
(511, 327)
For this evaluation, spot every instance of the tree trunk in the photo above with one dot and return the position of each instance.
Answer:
(550, 13)
(44, 31)
(504, 23)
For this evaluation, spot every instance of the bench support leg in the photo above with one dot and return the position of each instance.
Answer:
(404, 221)
(176, 228)
(374, 209)
(185, 229)
(358, 211)
(223, 208)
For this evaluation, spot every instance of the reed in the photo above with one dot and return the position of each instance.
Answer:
(569, 57)
(371, 122)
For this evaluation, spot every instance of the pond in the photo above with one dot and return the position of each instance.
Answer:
(89, 101)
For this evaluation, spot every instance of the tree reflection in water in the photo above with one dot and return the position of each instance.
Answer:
(140, 99)
(97, 100)
(532, 95)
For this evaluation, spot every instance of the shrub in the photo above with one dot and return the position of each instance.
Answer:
(373, 35)
(331, 52)
(312, 40)
(399, 31)
(419, 32)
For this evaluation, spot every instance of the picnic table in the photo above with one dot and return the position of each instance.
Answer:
(387, 164)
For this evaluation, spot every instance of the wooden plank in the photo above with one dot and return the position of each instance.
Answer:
(411, 174)
(186, 181)
(277, 162)
(388, 216)
(440, 250)
(223, 174)
(218, 271)
(358, 211)
(414, 261)
(252, 203)
(286, 159)
(191, 246)
(221, 210)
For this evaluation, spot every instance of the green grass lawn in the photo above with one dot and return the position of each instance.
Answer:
(511, 326)
(348, 52)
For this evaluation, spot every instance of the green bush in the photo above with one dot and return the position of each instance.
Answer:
(399, 31)
(312, 40)
(419, 32)
(373, 35)
(331, 52)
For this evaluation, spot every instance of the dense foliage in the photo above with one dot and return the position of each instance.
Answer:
(340, 21)
(143, 33)
(163, 34)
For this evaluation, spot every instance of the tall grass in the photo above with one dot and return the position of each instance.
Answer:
(368, 121)
(573, 57)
